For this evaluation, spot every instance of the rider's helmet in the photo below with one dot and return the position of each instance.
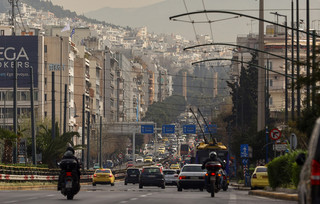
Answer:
(213, 155)
(70, 149)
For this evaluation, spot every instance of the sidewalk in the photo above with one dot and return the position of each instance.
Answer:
(286, 194)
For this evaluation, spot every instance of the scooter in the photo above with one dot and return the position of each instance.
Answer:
(70, 184)
(213, 177)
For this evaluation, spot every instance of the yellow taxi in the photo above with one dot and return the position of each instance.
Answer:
(259, 177)
(103, 176)
(148, 159)
(161, 150)
(175, 166)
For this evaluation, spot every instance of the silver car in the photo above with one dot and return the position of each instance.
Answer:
(170, 176)
(191, 176)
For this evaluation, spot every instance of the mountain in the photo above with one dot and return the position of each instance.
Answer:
(156, 17)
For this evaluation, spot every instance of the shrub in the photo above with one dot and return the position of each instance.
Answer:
(284, 171)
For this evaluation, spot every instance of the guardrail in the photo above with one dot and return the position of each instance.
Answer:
(20, 173)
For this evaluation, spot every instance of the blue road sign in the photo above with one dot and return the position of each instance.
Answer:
(168, 129)
(211, 127)
(189, 129)
(245, 162)
(146, 129)
(244, 150)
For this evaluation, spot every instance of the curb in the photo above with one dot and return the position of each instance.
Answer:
(282, 196)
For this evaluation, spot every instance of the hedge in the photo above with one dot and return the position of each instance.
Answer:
(283, 171)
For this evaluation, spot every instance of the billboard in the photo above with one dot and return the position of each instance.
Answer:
(22, 52)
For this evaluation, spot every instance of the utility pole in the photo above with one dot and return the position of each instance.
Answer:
(308, 53)
(53, 108)
(298, 61)
(261, 73)
(292, 57)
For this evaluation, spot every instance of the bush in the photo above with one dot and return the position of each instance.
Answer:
(283, 171)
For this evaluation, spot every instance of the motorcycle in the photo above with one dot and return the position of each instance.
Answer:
(225, 182)
(69, 178)
(213, 177)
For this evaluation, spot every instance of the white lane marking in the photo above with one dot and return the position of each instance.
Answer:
(143, 195)
(134, 199)
(124, 201)
(149, 194)
(13, 201)
(50, 195)
(233, 198)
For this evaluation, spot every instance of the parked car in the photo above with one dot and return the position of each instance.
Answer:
(151, 176)
(309, 184)
(170, 176)
(103, 176)
(132, 176)
(192, 176)
(259, 177)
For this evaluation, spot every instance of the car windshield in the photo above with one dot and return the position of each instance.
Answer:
(193, 169)
(151, 170)
(262, 169)
(133, 171)
(169, 172)
(103, 171)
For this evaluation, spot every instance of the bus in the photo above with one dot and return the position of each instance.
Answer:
(203, 150)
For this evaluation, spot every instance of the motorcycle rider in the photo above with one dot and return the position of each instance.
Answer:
(212, 157)
(69, 154)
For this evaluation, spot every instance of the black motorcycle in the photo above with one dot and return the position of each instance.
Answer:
(213, 177)
(69, 178)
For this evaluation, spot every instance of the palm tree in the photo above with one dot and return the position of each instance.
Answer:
(9, 138)
(52, 149)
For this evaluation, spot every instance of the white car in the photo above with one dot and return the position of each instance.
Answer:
(139, 159)
(170, 176)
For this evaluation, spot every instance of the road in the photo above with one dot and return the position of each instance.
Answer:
(131, 194)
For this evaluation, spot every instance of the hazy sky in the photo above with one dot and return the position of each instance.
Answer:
(82, 6)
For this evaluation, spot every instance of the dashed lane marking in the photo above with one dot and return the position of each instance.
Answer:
(134, 199)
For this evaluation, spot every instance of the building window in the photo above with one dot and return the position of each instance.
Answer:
(1, 32)
(45, 113)
(271, 83)
(45, 97)
(45, 49)
(45, 82)
(270, 101)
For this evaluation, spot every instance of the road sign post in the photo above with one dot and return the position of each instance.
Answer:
(275, 134)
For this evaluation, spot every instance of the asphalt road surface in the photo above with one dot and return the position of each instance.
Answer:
(131, 194)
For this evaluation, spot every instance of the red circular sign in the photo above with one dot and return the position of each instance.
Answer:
(275, 134)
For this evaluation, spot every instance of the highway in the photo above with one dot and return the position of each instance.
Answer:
(131, 194)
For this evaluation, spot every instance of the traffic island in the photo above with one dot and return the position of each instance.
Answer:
(276, 195)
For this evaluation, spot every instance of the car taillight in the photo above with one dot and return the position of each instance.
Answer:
(213, 174)
(254, 176)
(142, 171)
(69, 173)
(224, 177)
(315, 173)
(94, 175)
(182, 177)
(110, 175)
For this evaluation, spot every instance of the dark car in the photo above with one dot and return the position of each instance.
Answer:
(132, 176)
(151, 176)
(309, 185)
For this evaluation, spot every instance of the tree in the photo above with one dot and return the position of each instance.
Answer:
(9, 138)
(52, 149)
(167, 111)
